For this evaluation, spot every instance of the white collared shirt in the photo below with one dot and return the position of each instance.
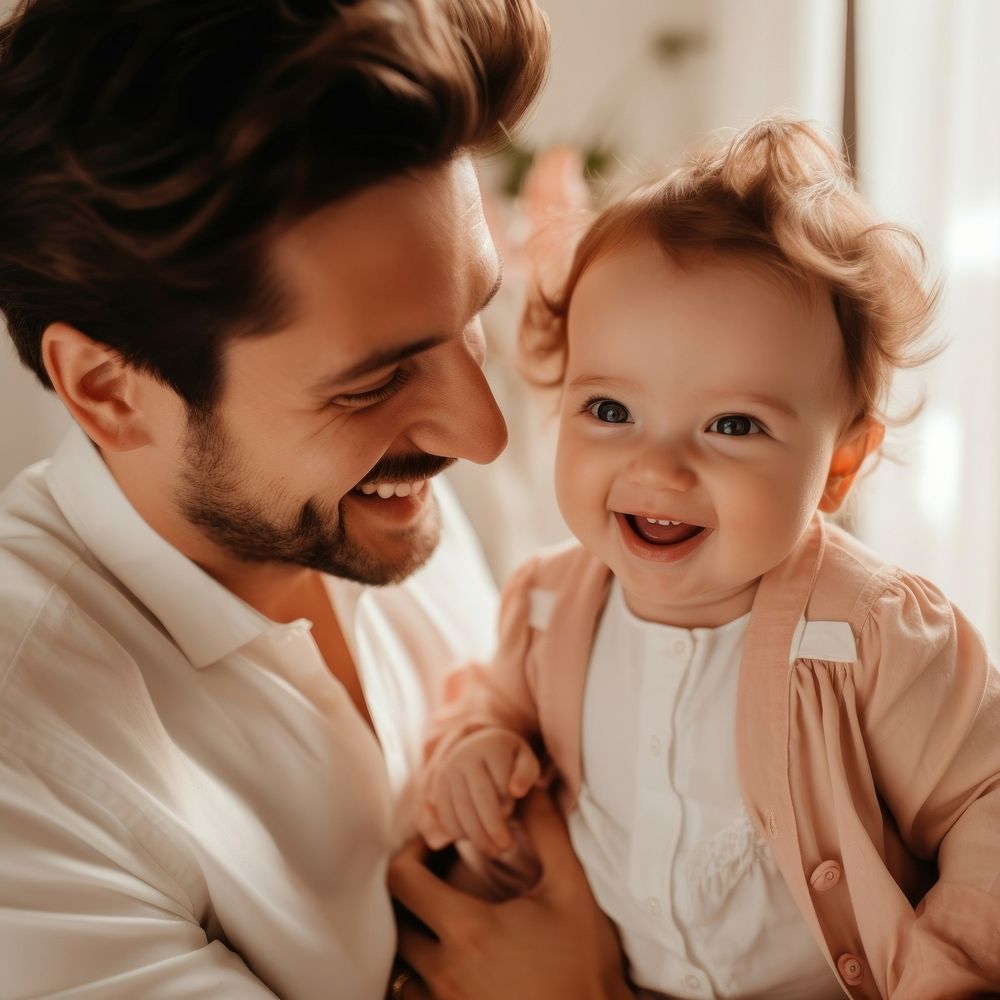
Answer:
(190, 803)
(700, 905)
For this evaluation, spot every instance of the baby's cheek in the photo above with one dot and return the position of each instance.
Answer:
(580, 490)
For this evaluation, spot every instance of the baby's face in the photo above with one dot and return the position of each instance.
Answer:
(713, 396)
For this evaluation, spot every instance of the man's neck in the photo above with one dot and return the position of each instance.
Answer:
(278, 591)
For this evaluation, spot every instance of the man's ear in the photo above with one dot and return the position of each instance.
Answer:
(97, 386)
(856, 443)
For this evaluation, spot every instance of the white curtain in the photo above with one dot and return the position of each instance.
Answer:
(775, 55)
(929, 154)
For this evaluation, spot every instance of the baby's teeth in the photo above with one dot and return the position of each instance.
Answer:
(403, 490)
(368, 489)
(385, 490)
(651, 520)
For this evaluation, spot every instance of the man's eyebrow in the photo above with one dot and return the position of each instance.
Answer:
(393, 355)
(380, 359)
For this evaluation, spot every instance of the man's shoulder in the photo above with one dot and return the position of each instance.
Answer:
(32, 525)
(37, 550)
(52, 630)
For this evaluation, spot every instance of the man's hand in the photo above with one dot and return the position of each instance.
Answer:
(551, 944)
(472, 792)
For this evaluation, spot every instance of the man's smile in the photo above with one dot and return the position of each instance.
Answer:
(399, 507)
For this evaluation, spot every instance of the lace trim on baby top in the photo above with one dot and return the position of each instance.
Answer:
(714, 868)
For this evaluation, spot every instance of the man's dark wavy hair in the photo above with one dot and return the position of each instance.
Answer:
(150, 150)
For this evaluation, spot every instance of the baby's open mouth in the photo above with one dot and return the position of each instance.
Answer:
(661, 531)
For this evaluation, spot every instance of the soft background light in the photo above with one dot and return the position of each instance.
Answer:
(638, 80)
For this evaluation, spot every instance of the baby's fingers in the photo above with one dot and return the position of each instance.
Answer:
(525, 772)
(492, 805)
(472, 805)
(437, 822)
(436, 834)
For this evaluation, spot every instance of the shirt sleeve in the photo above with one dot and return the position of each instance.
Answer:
(933, 724)
(86, 912)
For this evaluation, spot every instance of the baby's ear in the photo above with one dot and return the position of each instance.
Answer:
(856, 443)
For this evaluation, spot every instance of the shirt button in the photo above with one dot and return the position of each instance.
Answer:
(825, 876)
(851, 969)
(653, 906)
(692, 982)
(680, 647)
(654, 746)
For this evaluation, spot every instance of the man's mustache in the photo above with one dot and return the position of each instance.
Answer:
(406, 468)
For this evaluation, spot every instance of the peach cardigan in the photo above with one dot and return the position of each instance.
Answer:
(876, 782)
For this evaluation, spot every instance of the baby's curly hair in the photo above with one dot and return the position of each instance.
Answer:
(780, 193)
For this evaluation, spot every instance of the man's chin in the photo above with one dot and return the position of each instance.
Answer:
(380, 557)
(361, 542)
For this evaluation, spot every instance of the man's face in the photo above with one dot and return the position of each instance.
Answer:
(323, 439)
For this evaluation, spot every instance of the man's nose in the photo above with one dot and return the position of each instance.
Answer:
(461, 416)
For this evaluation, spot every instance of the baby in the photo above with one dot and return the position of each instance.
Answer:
(779, 757)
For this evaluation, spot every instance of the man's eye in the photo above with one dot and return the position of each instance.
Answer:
(609, 411)
(388, 388)
(735, 425)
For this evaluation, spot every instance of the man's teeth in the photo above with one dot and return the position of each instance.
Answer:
(653, 520)
(386, 490)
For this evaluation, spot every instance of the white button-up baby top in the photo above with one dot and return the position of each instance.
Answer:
(190, 803)
(700, 905)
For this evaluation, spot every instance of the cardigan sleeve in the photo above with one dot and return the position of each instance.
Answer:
(933, 732)
(499, 693)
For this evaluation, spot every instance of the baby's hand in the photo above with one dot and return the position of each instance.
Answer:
(472, 792)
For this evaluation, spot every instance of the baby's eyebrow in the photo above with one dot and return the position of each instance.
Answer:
(582, 381)
(762, 399)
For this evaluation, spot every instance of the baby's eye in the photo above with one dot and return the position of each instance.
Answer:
(735, 425)
(609, 411)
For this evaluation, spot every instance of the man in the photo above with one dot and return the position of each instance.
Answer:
(244, 243)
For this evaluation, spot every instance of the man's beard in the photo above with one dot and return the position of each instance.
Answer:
(216, 495)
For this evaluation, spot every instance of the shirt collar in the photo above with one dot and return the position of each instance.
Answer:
(206, 620)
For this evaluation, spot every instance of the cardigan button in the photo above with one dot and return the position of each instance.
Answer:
(851, 969)
(825, 876)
